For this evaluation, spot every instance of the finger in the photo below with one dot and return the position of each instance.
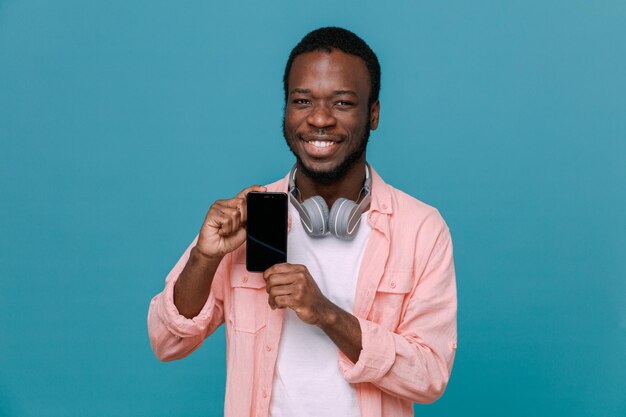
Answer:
(215, 218)
(234, 216)
(227, 209)
(276, 280)
(272, 303)
(219, 219)
(283, 268)
(234, 202)
(283, 301)
(245, 191)
(238, 204)
(282, 290)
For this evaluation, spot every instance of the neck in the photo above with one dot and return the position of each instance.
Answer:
(349, 186)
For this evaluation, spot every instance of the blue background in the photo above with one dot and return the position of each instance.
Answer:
(121, 122)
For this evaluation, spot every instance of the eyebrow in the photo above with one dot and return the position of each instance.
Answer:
(341, 92)
(335, 93)
(300, 91)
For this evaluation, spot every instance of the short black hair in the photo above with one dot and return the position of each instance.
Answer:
(328, 38)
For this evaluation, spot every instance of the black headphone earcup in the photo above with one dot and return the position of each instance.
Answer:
(317, 210)
(338, 219)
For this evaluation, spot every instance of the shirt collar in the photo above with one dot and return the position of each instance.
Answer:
(381, 197)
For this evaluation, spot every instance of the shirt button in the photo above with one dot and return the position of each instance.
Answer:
(385, 206)
(264, 394)
(245, 279)
(268, 348)
(392, 284)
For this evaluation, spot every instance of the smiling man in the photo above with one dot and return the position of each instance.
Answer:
(361, 320)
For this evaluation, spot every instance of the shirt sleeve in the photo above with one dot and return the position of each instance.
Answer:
(172, 335)
(415, 361)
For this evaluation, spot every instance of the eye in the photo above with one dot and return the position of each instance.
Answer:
(300, 101)
(344, 103)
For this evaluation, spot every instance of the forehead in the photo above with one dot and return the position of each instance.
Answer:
(335, 70)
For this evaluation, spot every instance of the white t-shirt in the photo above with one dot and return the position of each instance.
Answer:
(307, 380)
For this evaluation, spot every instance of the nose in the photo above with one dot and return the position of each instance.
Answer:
(321, 117)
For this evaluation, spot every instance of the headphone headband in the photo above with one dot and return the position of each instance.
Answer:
(366, 185)
(344, 217)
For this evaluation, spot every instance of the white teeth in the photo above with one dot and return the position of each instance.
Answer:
(321, 144)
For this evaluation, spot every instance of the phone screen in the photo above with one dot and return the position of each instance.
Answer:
(266, 230)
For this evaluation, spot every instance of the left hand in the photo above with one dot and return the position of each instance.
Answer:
(293, 286)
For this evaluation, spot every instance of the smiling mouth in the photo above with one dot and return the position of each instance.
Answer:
(321, 143)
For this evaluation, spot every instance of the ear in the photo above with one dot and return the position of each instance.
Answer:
(374, 113)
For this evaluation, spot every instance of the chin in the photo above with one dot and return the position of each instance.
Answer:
(329, 174)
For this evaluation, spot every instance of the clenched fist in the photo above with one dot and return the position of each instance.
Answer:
(223, 229)
(293, 286)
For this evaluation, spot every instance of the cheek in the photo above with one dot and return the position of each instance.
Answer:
(291, 121)
(287, 129)
(355, 124)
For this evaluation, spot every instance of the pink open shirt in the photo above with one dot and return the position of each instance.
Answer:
(405, 303)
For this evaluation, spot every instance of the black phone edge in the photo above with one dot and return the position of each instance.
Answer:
(286, 222)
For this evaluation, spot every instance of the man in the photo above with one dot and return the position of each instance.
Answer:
(360, 325)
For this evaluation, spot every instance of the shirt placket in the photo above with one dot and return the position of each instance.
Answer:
(370, 273)
(268, 361)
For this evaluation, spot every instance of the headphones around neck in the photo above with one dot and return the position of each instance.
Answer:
(344, 217)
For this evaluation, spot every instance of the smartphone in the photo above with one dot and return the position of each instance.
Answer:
(266, 230)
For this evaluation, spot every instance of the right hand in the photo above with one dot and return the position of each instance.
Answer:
(223, 229)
